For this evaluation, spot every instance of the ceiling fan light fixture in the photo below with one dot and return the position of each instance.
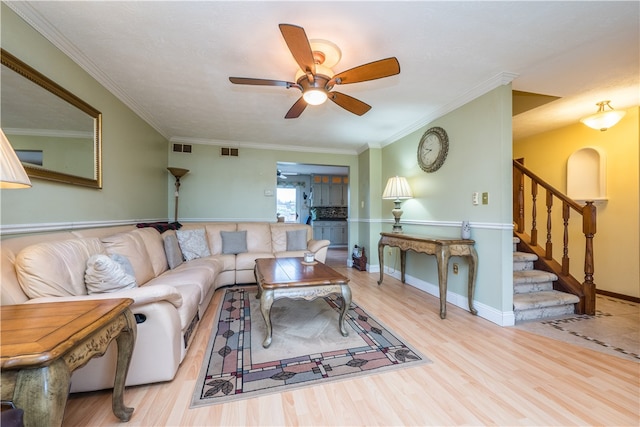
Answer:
(315, 96)
(603, 120)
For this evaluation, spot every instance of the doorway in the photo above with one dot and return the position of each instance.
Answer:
(321, 199)
(287, 203)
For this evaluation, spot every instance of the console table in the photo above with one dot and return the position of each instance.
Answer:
(42, 344)
(443, 249)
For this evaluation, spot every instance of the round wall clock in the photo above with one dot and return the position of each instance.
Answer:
(433, 149)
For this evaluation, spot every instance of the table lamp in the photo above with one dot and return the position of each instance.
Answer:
(398, 189)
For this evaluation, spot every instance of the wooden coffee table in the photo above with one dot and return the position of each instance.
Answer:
(291, 278)
(42, 344)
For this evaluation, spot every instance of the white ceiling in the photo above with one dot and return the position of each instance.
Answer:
(170, 62)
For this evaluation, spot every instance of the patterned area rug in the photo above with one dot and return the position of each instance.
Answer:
(307, 348)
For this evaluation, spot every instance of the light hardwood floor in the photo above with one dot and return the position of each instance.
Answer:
(481, 374)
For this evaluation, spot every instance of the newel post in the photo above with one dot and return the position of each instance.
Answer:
(589, 230)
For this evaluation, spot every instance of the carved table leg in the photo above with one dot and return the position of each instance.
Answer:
(346, 303)
(266, 301)
(381, 260)
(473, 271)
(42, 393)
(255, 273)
(442, 258)
(403, 264)
(125, 340)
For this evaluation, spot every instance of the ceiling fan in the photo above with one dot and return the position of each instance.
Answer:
(316, 80)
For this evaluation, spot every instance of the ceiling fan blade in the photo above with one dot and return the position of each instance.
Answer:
(260, 82)
(297, 109)
(349, 103)
(371, 71)
(299, 46)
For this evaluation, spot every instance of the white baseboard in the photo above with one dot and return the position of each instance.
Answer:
(486, 312)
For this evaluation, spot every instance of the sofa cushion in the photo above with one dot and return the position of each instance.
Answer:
(247, 261)
(104, 275)
(228, 261)
(279, 235)
(258, 236)
(155, 248)
(193, 243)
(201, 272)
(297, 240)
(214, 237)
(56, 269)
(234, 242)
(172, 250)
(131, 245)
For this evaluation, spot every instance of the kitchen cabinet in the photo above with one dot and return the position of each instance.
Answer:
(335, 231)
(330, 190)
(339, 234)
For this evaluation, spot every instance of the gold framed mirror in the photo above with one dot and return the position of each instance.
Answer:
(57, 136)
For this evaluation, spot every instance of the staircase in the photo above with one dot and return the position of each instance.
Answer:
(533, 294)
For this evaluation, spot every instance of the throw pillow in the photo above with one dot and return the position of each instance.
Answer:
(193, 243)
(297, 240)
(103, 275)
(234, 242)
(172, 250)
(124, 263)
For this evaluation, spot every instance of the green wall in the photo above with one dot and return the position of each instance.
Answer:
(479, 159)
(224, 188)
(134, 154)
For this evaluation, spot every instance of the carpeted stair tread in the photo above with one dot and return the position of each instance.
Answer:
(524, 257)
(543, 299)
(533, 276)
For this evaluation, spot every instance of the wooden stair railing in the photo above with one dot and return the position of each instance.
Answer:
(586, 290)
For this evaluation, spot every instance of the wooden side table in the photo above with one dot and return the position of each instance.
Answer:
(443, 249)
(42, 344)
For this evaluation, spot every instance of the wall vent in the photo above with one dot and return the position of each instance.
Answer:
(226, 151)
(182, 148)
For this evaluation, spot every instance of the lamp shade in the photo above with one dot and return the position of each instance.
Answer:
(397, 188)
(603, 120)
(178, 172)
(12, 174)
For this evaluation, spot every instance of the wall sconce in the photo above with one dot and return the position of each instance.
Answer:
(177, 173)
(12, 174)
(603, 120)
(398, 189)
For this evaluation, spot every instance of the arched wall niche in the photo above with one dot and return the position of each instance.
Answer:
(587, 175)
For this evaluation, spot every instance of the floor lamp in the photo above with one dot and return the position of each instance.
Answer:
(177, 173)
(397, 189)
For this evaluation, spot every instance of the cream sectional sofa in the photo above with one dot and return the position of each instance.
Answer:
(168, 302)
